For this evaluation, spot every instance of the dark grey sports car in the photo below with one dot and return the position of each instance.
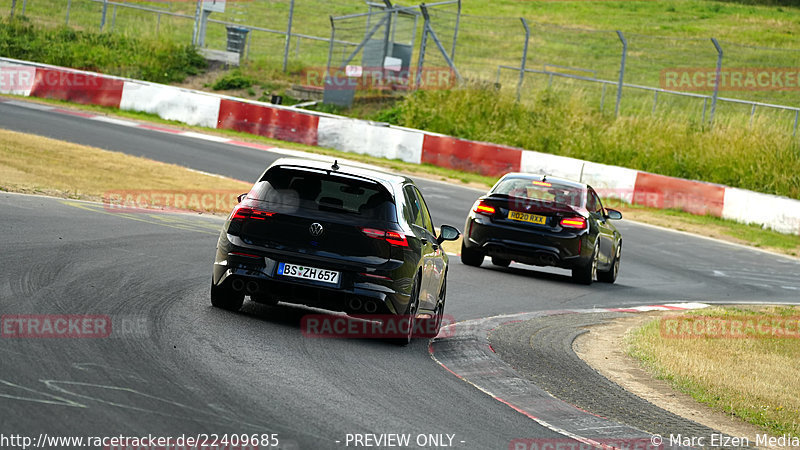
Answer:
(336, 237)
(544, 221)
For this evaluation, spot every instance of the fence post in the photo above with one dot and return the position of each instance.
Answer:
(69, 5)
(288, 37)
(621, 70)
(103, 16)
(455, 33)
(13, 5)
(196, 29)
(524, 57)
(24, 4)
(716, 82)
(422, 44)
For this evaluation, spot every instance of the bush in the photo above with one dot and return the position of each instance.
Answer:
(114, 54)
(233, 80)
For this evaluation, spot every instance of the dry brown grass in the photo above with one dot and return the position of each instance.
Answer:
(755, 379)
(34, 164)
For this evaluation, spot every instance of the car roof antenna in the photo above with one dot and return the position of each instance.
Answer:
(544, 177)
(335, 165)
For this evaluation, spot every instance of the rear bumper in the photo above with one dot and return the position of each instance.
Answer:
(541, 248)
(353, 294)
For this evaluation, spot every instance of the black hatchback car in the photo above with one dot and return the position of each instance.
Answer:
(335, 237)
(544, 221)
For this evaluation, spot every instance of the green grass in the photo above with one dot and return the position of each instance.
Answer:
(754, 379)
(116, 54)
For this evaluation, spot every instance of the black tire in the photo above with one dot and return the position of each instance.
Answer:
(409, 315)
(471, 257)
(586, 274)
(500, 261)
(226, 298)
(432, 326)
(610, 275)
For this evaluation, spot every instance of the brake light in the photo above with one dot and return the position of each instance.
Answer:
(246, 255)
(243, 213)
(573, 222)
(482, 208)
(390, 236)
(541, 183)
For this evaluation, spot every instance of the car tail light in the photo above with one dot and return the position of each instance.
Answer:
(573, 222)
(390, 236)
(246, 255)
(481, 207)
(541, 183)
(242, 213)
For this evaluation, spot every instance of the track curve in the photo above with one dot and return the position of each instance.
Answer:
(175, 365)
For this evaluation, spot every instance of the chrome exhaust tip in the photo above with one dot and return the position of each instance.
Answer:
(370, 307)
(237, 284)
(252, 287)
(355, 304)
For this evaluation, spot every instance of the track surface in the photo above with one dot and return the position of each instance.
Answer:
(179, 366)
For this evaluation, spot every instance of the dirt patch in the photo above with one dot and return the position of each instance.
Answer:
(603, 349)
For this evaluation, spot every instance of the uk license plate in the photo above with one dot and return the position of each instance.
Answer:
(527, 217)
(308, 273)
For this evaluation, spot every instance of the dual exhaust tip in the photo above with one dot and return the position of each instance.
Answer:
(357, 305)
(250, 287)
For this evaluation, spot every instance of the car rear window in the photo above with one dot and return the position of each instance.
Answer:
(288, 189)
(540, 191)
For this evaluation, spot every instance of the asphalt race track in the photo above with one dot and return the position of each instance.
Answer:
(174, 365)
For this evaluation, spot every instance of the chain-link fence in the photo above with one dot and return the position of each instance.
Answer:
(618, 72)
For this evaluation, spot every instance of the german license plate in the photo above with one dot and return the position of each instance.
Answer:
(527, 217)
(308, 273)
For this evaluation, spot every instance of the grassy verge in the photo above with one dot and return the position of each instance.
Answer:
(702, 225)
(37, 165)
(753, 378)
(117, 54)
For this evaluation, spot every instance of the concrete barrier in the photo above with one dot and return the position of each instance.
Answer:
(367, 138)
(171, 103)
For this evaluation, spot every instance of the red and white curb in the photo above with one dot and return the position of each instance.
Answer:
(464, 350)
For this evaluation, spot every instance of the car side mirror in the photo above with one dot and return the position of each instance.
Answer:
(241, 197)
(448, 233)
(613, 214)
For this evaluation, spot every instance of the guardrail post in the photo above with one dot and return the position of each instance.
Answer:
(69, 5)
(794, 128)
(716, 82)
(24, 4)
(621, 70)
(524, 58)
(288, 37)
(13, 5)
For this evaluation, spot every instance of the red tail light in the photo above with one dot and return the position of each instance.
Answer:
(482, 208)
(573, 222)
(390, 236)
(243, 213)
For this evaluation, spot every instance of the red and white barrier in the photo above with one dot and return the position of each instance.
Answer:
(367, 138)
(415, 146)
(171, 103)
